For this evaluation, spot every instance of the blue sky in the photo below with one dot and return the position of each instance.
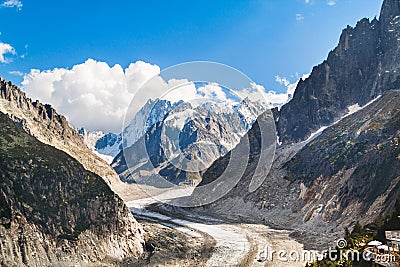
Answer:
(262, 38)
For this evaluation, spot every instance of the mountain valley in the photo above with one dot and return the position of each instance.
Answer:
(324, 167)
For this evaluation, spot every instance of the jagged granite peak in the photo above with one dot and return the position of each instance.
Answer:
(152, 112)
(365, 64)
(54, 212)
(45, 124)
(109, 145)
(390, 9)
(248, 111)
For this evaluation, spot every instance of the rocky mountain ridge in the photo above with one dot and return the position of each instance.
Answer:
(49, 127)
(54, 212)
(183, 135)
(365, 64)
(109, 145)
(155, 111)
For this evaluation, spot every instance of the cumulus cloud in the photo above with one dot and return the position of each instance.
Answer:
(299, 17)
(179, 89)
(12, 3)
(282, 80)
(138, 73)
(269, 99)
(4, 50)
(175, 90)
(92, 94)
(290, 87)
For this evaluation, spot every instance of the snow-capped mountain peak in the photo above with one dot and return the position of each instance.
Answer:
(175, 115)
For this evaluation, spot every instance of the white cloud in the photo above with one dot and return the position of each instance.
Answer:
(92, 94)
(282, 80)
(307, 1)
(12, 3)
(138, 73)
(290, 87)
(212, 91)
(179, 89)
(278, 99)
(175, 90)
(270, 98)
(4, 50)
(16, 73)
(299, 17)
(331, 2)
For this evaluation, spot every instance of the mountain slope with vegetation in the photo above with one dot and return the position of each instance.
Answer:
(49, 127)
(53, 212)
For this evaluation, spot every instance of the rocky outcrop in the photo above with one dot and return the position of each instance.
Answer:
(365, 64)
(44, 123)
(53, 211)
(352, 171)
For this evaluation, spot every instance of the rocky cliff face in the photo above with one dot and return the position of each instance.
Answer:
(353, 168)
(365, 64)
(49, 127)
(53, 211)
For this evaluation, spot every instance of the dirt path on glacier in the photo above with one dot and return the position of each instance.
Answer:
(235, 244)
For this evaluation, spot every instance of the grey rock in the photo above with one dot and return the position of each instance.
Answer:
(45, 124)
(365, 64)
(54, 212)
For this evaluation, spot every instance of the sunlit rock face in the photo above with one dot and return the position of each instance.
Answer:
(54, 212)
